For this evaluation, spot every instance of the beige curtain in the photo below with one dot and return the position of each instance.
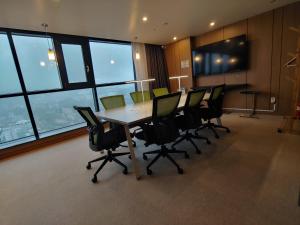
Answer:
(140, 64)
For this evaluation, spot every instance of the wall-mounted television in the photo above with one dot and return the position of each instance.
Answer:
(227, 56)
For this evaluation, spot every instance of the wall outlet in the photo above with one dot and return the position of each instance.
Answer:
(273, 100)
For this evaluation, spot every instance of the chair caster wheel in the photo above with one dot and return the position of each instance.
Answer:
(208, 142)
(94, 180)
(134, 145)
(129, 156)
(125, 171)
(145, 157)
(180, 170)
(186, 156)
(88, 167)
(149, 172)
(227, 130)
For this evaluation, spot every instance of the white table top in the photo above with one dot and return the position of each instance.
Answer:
(132, 114)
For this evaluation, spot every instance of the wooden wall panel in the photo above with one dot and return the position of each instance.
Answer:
(235, 29)
(276, 55)
(270, 42)
(175, 53)
(259, 74)
(291, 17)
(208, 38)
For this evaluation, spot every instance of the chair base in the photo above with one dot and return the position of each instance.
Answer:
(107, 158)
(211, 126)
(165, 153)
(189, 137)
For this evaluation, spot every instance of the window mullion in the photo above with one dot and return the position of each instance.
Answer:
(26, 98)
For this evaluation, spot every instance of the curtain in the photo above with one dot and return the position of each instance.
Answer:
(140, 64)
(157, 66)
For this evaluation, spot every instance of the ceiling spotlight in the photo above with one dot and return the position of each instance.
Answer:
(145, 18)
(227, 41)
(211, 24)
(174, 38)
(112, 61)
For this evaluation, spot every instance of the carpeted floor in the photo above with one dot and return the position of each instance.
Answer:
(248, 177)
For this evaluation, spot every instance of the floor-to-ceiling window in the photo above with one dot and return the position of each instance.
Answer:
(113, 64)
(37, 95)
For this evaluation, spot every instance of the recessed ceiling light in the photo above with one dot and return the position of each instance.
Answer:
(174, 38)
(112, 61)
(145, 18)
(211, 24)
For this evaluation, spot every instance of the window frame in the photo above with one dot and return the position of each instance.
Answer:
(65, 86)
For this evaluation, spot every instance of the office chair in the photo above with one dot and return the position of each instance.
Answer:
(114, 102)
(214, 110)
(160, 92)
(162, 130)
(190, 118)
(100, 140)
(137, 96)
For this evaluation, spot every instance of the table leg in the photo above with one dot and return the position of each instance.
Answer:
(136, 167)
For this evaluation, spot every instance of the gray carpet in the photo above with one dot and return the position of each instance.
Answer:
(248, 177)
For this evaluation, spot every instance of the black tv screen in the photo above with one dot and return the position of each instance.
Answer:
(226, 56)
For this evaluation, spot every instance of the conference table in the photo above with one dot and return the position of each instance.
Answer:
(130, 116)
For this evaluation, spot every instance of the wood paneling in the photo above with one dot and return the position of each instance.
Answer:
(175, 53)
(208, 38)
(270, 42)
(276, 54)
(291, 17)
(235, 29)
(259, 74)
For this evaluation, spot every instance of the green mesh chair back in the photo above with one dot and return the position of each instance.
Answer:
(215, 102)
(137, 96)
(160, 92)
(165, 105)
(94, 125)
(217, 91)
(112, 102)
(194, 98)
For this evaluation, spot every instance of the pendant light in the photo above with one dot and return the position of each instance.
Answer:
(51, 52)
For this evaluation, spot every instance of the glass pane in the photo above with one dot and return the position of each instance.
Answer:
(124, 89)
(39, 72)
(54, 113)
(111, 62)
(15, 123)
(9, 80)
(74, 63)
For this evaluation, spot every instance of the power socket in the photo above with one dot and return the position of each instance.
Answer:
(273, 100)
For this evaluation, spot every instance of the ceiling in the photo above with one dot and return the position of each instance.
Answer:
(122, 19)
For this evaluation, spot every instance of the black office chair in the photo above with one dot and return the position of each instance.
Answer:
(214, 110)
(162, 130)
(190, 118)
(100, 140)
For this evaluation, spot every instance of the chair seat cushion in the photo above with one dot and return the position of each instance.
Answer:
(160, 133)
